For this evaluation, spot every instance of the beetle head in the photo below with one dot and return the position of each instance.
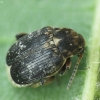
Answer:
(80, 52)
(69, 42)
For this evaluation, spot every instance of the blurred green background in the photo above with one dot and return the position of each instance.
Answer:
(27, 16)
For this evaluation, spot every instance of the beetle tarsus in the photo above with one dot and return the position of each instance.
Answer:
(18, 36)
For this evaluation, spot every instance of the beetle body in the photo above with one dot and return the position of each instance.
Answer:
(37, 57)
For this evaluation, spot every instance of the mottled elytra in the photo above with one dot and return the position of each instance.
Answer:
(37, 57)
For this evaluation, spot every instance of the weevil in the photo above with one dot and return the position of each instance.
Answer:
(35, 58)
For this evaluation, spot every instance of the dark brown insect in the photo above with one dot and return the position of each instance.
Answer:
(36, 58)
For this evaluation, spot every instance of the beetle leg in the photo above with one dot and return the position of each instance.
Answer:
(43, 82)
(65, 67)
(20, 35)
(48, 80)
(35, 85)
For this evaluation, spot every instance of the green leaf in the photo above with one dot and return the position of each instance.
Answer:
(27, 16)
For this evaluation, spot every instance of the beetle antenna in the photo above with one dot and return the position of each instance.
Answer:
(74, 72)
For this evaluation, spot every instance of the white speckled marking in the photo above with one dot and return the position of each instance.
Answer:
(51, 42)
(30, 35)
(21, 45)
(56, 41)
(66, 31)
(71, 44)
